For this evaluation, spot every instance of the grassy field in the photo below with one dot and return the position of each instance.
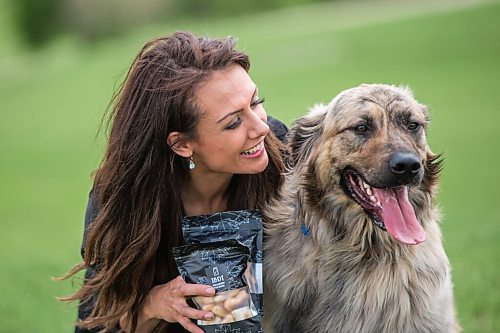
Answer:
(51, 103)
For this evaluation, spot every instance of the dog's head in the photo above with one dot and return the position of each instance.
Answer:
(371, 141)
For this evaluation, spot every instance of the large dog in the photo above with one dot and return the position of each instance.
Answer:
(353, 243)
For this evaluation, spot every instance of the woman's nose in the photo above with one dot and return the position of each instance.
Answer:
(259, 125)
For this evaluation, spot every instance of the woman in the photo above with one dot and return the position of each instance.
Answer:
(189, 136)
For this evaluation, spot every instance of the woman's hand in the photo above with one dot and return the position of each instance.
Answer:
(168, 302)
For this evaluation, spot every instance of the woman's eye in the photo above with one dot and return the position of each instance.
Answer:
(234, 124)
(257, 102)
(362, 128)
(413, 126)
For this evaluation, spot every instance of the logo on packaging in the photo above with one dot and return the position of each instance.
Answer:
(217, 277)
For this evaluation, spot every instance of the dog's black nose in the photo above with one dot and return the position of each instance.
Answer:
(405, 166)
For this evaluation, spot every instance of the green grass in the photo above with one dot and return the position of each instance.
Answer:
(51, 104)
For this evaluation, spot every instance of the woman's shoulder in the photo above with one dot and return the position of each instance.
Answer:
(279, 128)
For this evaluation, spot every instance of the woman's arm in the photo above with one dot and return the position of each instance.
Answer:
(164, 302)
(84, 310)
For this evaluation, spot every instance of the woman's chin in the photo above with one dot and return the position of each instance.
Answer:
(256, 166)
(263, 164)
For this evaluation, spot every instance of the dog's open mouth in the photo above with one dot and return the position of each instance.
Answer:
(388, 208)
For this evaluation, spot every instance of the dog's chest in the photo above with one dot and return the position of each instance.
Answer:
(372, 296)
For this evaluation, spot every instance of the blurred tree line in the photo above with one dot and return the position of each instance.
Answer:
(38, 21)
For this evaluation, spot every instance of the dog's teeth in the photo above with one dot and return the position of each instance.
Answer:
(367, 187)
(372, 198)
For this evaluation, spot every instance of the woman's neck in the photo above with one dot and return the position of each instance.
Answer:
(202, 194)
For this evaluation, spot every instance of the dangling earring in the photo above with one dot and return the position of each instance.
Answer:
(191, 165)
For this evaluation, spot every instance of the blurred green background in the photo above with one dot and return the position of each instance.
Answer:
(54, 90)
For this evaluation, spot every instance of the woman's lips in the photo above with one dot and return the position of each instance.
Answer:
(255, 151)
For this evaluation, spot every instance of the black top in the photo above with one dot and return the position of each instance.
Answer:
(277, 127)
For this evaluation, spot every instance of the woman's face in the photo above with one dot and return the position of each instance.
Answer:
(233, 124)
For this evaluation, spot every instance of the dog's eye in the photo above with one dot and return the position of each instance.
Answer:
(362, 128)
(413, 126)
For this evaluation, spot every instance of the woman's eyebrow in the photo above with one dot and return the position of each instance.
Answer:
(234, 112)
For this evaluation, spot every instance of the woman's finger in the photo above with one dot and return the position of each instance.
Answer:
(196, 314)
(190, 289)
(189, 325)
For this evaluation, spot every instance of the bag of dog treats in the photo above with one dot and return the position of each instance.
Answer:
(245, 226)
(221, 265)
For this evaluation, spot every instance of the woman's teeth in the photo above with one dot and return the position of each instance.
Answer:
(254, 149)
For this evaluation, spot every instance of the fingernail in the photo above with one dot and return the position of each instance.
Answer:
(210, 291)
(209, 316)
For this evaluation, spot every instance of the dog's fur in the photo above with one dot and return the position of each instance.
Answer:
(328, 267)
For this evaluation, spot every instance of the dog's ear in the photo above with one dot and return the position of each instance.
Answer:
(304, 132)
(433, 167)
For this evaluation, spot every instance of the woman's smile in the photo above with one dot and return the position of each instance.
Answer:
(255, 151)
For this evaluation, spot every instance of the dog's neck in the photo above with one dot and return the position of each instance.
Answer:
(331, 227)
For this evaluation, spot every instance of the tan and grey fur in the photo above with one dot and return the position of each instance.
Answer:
(348, 275)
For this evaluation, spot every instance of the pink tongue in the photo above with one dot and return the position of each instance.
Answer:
(399, 216)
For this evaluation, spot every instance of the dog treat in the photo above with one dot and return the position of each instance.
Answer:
(221, 265)
(227, 306)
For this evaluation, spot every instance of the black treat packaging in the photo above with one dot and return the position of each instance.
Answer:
(245, 226)
(222, 265)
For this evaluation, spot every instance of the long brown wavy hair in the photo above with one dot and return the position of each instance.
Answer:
(138, 185)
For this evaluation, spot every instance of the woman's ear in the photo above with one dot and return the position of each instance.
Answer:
(179, 144)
